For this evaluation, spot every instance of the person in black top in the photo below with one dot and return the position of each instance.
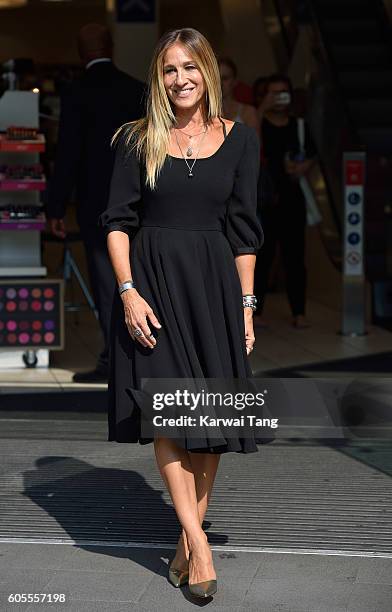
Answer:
(183, 234)
(92, 108)
(284, 215)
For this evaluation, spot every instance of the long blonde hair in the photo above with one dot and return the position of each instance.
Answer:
(150, 136)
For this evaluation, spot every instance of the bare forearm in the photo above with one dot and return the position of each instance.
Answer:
(246, 269)
(118, 248)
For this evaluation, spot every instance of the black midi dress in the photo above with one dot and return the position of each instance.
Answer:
(184, 237)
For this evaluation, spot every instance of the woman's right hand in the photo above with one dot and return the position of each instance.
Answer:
(136, 312)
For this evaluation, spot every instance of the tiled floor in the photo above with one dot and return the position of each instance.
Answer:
(282, 346)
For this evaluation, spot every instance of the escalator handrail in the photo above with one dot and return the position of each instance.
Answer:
(285, 36)
(289, 49)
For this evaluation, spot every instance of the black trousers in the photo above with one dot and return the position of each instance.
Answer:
(284, 223)
(102, 283)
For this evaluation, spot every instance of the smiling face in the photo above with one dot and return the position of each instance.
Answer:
(183, 80)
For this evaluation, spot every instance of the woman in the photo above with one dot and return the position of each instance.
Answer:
(286, 164)
(186, 197)
(236, 111)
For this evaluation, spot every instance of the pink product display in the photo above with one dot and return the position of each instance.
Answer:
(21, 213)
(32, 143)
(22, 178)
(39, 226)
(30, 315)
(17, 217)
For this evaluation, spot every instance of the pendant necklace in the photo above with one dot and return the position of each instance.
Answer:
(189, 150)
(190, 167)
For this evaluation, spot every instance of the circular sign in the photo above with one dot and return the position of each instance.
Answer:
(353, 258)
(354, 198)
(353, 218)
(353, 238)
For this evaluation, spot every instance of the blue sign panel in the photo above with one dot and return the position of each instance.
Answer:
(135, 11)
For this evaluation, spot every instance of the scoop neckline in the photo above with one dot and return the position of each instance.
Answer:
(210, 156)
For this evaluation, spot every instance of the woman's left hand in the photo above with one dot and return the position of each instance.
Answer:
(249, 333)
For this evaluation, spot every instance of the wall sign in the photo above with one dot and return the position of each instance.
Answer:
(354, 186)
(353, 276)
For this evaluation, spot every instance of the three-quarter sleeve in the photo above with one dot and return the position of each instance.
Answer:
(243, 227)
(122, 212)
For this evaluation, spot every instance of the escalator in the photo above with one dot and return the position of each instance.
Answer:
(349, 107)
(356, 37)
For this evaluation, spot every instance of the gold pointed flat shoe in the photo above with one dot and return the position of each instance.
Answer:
(203, 589)
(178, 577)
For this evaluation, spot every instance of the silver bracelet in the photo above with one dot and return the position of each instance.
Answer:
(125, 286)
(249, 301)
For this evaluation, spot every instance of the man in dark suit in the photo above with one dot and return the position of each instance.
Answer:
(92, 109)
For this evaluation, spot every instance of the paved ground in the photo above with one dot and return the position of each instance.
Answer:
(63, 487)
(103, 579)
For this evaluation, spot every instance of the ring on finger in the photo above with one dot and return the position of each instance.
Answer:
(137, 332)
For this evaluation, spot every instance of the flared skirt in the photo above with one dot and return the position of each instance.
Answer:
(190, 280)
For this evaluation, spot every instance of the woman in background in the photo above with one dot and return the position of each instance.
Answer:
(284, 215)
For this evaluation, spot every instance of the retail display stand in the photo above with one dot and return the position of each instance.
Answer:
(22, 290)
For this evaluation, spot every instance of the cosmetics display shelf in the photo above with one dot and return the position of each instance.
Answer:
(35, 145)
(21, 181)
(22, 177)
(22, 219)
(23, 185)
(37, 224)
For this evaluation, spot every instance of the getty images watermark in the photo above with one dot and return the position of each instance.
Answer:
(305, 408)
(218, 408)
(208, 399)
